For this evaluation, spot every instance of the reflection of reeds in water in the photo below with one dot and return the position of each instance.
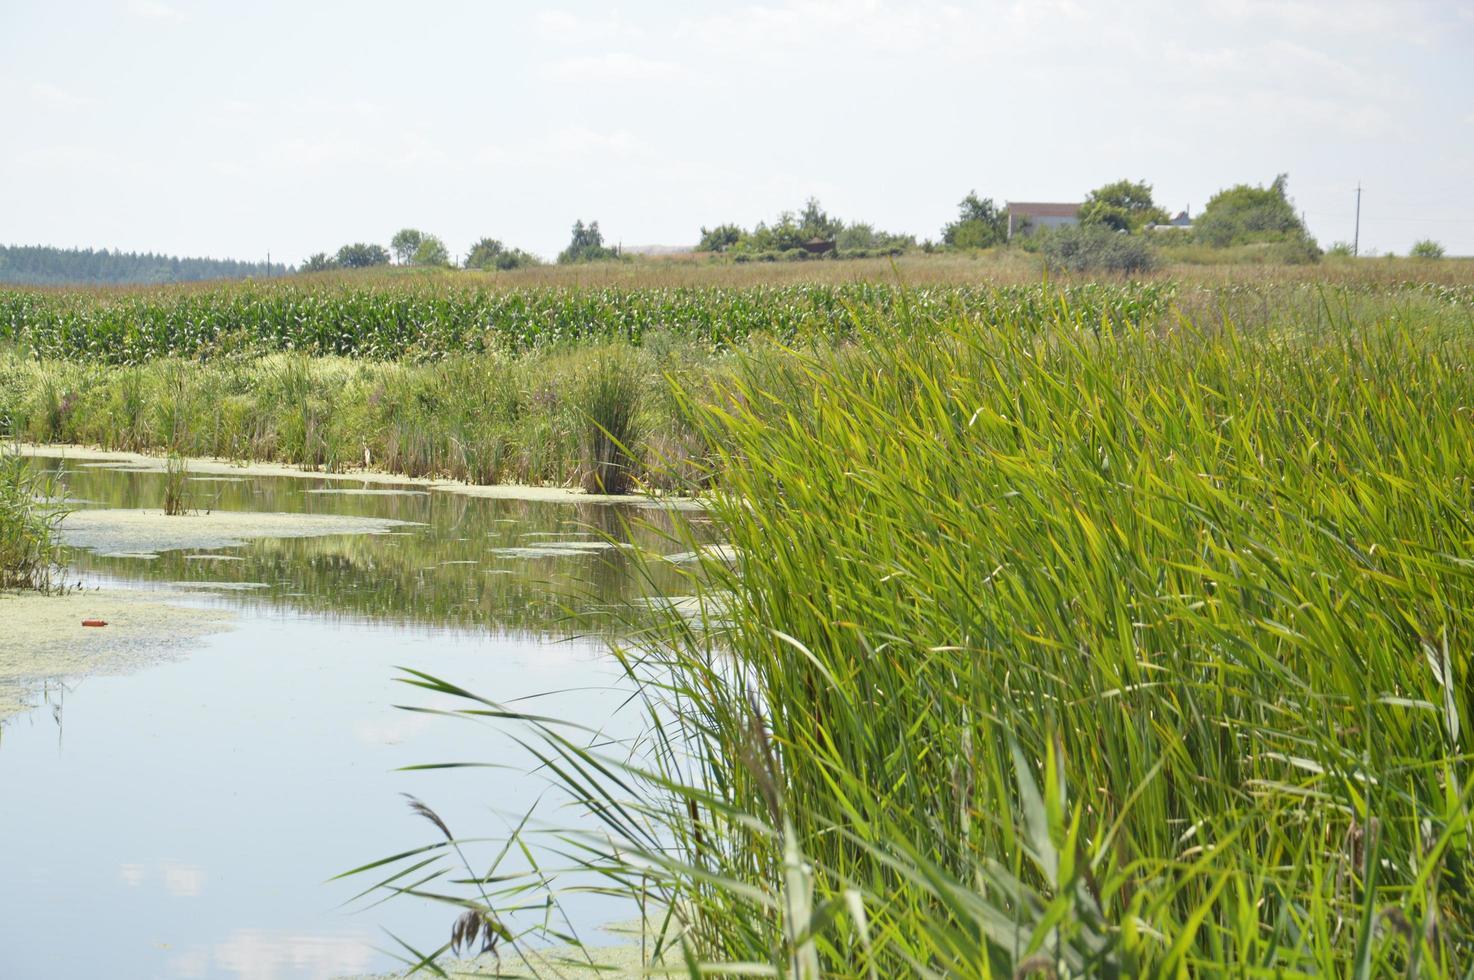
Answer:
(468, 562)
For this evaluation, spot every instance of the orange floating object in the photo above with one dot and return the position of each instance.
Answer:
(94, 622)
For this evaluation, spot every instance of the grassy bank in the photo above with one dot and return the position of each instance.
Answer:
(1071, 653)
(540, 418)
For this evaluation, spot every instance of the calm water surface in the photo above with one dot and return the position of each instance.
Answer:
(182, 820)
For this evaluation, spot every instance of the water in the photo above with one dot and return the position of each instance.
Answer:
(182, 820)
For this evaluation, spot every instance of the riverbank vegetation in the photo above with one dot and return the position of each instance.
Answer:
(1059, 647)
(29, 515)
(432, 375)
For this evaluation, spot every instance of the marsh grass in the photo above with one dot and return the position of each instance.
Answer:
(610, 399)
(30, 515)
(1062, 651)
(177, 494)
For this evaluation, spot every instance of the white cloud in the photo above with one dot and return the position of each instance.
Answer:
(615, 66)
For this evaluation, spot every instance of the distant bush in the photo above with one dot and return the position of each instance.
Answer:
(1340, 250)
(1095, 249)
(320, 262)
(1427, 248)
(489, 253)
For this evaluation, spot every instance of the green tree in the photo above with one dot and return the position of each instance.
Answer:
(815, 222)
(320, 262)
(361, 255)
(586, 245)
(405, 243)
(489, 253)
(1427, 248)
(1243, 214)
(980, 224)
(1122, 206)
(719, 239)
(431, 252)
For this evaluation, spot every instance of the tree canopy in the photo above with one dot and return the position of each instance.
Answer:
(405, 243)
(1122, 206)
(361, 255)
(586, 245)
(980, 224)
(431, 252)
(1242, 214)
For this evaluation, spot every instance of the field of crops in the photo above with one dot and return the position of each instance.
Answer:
(417, 322)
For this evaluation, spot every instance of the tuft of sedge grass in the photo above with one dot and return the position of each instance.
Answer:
(1064, 649)
(610, 406)
(176, 486)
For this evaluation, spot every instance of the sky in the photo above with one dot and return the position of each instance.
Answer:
(234, 130)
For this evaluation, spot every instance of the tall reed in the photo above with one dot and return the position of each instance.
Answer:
(29, 518)
(1068, 651)
(609, 403)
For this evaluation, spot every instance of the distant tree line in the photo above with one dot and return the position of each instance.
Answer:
(43, 265)
(412, 247)
(1118, 228)
(809, 232)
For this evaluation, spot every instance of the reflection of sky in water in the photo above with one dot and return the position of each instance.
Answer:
(184, 820)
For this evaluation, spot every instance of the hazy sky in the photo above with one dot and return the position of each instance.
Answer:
(234, 129)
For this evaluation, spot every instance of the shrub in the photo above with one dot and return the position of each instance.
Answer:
(1094, 249)
(489, 253)
(1426, 248)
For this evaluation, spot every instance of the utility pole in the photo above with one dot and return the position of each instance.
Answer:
(268, 265)
(1356, 237)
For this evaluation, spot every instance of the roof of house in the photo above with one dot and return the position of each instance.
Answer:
(1038, 209)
